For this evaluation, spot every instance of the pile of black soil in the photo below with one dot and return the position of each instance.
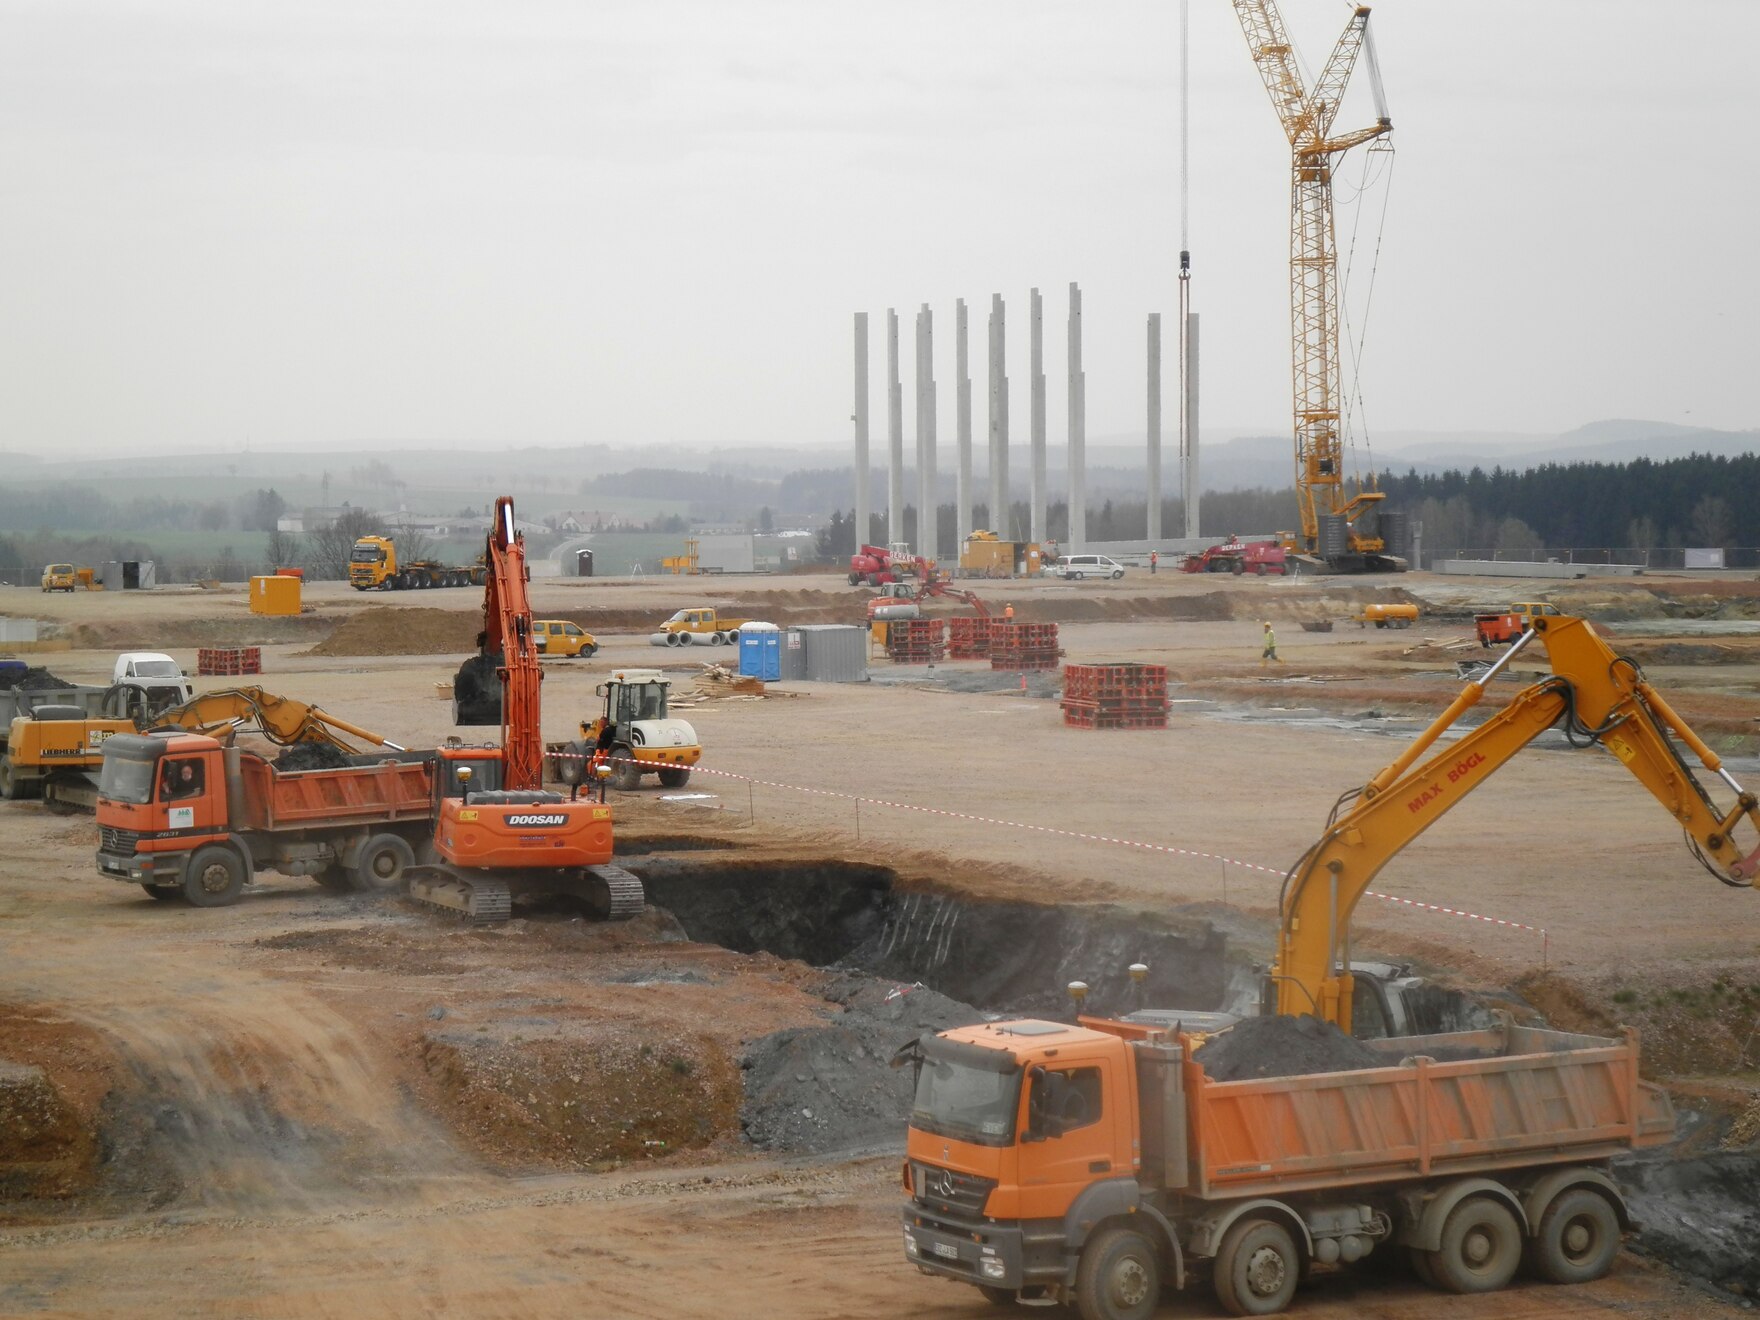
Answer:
(476, 691)
(32, 680)
(832, 1088)
(1700, 1215)
(1283, 1046)
(312, 756)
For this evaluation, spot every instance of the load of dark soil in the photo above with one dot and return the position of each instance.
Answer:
(312, 756)
(35, 679)
(476, 691)
(1283, 1046)
(832, 1088)
(1700, 1215)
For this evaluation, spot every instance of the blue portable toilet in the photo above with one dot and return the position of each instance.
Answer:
(760, 651)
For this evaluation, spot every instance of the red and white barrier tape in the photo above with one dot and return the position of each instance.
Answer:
(1165, 848)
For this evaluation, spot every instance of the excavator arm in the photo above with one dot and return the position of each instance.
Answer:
(280, 719)
(1602, 699)
(507, 618)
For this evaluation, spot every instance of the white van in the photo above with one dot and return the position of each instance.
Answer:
(1077, 567)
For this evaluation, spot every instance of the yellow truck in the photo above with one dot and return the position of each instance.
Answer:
(59, 577)
(698, 627)
(373, 565)
(563, 638)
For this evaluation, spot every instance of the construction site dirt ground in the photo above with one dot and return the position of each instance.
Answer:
(313, 1104)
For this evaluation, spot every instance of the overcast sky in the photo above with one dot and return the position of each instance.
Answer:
(651, 221)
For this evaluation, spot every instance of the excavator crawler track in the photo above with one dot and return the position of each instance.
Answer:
(623, 897)
(479, 899)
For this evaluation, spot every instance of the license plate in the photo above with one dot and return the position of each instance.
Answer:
(945, 1249)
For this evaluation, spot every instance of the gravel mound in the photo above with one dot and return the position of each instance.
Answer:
(407, 630)
(1283, 1046)
(811, 1090)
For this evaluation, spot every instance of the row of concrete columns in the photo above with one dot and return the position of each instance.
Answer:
(998, 433)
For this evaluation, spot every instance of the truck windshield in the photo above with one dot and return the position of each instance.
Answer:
(972, 1104)
(366, 554)
(156, 669)
(680, 617)
(124, 779)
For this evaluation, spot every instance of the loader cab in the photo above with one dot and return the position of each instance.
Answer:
(634, 697)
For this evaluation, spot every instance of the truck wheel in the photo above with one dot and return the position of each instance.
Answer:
(1119, 1277)
(162, 892)
(214, 878)
(1259, 569)
(383, 860)
(675, 778)
(1257, 1268)
(1577, 1240)
(1481, 1247)
(626, 773)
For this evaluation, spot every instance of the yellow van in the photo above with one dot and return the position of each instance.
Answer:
(559, 637)
(59, 577)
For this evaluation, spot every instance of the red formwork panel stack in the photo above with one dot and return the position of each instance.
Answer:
(968, 638)
(1120, 696)
(916, 641)
(1017, 645)
(221, 661)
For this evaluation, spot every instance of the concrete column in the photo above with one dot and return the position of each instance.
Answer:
(1189, 487)
(962, 495)
(998, 417)
(1078, 436)
(927, 539)
(1036, 492)
(894, 434)
(1154, 428)
(860, 418)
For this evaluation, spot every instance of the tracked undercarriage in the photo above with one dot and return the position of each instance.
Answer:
(485, 898)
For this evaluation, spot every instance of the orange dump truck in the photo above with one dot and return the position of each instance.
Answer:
(1098, 1164)
(182, 815)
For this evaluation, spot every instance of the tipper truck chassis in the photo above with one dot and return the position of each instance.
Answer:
(1096, 1163)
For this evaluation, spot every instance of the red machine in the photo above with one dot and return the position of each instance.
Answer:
(1237, 556)
(873, 566)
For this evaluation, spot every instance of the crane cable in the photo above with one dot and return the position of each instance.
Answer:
(1352, 402)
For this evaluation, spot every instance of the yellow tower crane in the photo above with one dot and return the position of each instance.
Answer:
(1328, 511)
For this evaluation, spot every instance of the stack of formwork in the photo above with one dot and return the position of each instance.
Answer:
(1120, 696)
(1017, 645)
(968, 638)
(916, 641)
(229, 660)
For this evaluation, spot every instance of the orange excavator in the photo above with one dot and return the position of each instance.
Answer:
(490, 841)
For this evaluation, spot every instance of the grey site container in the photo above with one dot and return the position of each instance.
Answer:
(793, 655)
(836, 652)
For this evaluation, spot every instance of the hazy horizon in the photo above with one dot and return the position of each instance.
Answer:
(649, 223)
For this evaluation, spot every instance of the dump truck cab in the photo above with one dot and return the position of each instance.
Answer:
(159, 797)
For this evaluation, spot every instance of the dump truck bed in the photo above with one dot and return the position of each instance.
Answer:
(1540, 1097)
(277, 800)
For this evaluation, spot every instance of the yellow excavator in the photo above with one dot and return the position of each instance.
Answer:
(1599, 699)
(55, 752)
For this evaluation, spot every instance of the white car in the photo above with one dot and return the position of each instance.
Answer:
(1077, 567)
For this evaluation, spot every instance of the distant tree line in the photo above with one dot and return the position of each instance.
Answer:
(70, 506)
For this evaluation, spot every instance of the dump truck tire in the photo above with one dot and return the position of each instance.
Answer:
(1257, 1268)
(1481, 1247)
(214, 877)
(383, 860)
(1119, 1277)
(1577, 1239)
